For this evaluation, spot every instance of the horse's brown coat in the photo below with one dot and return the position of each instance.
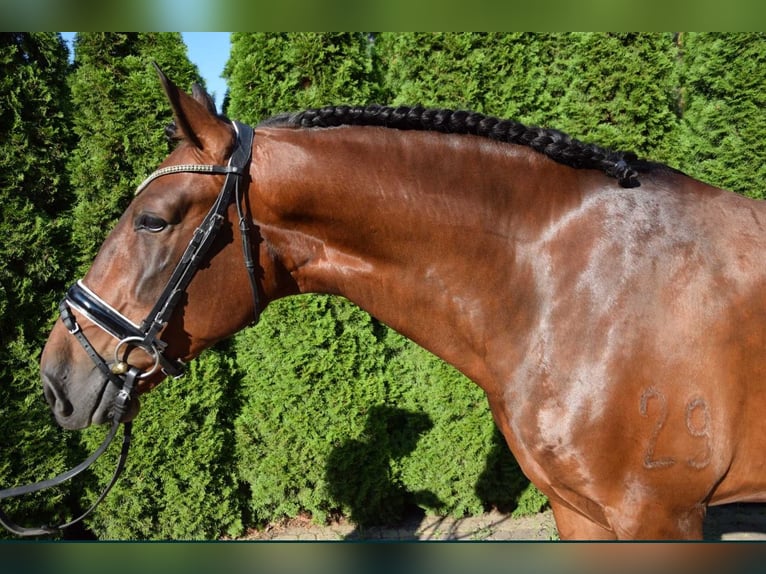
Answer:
(618, 333)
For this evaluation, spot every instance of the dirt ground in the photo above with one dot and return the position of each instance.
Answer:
(740, 522)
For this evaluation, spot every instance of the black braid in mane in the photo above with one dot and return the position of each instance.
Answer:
(555, 144)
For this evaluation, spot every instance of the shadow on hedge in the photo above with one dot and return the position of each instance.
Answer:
(362, 479)
(359, 472)
(502, 485)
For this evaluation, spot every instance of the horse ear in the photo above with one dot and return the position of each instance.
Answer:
(203, 98)
(196, 117)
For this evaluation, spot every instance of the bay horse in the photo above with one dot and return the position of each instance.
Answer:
(611, 308)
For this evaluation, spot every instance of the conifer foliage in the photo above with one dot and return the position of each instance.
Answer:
(271, 73)
(34, 196)
(723, 103)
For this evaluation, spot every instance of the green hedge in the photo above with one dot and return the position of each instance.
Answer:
(722, 102)
(343, 416)
(35, 138)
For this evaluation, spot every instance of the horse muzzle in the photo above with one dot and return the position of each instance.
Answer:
(78, 394)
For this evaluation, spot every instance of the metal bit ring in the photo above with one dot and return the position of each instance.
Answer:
(121, 367)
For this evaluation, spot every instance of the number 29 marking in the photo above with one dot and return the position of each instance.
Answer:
(698, 425)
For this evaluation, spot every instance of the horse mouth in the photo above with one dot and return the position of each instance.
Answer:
(76, 411)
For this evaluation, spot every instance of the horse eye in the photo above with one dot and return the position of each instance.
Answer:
(149, 222)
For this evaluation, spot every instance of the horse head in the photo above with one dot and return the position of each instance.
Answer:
(165, 284)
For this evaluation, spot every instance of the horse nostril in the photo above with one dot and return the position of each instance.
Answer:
(60, 406)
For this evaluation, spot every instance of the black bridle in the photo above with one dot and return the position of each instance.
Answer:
(146, 336)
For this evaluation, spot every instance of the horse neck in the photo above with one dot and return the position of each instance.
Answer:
(418, 229)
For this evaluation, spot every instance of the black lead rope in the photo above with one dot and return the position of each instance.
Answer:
(121, 404)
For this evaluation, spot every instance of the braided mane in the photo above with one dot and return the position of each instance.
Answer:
(555, 144)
